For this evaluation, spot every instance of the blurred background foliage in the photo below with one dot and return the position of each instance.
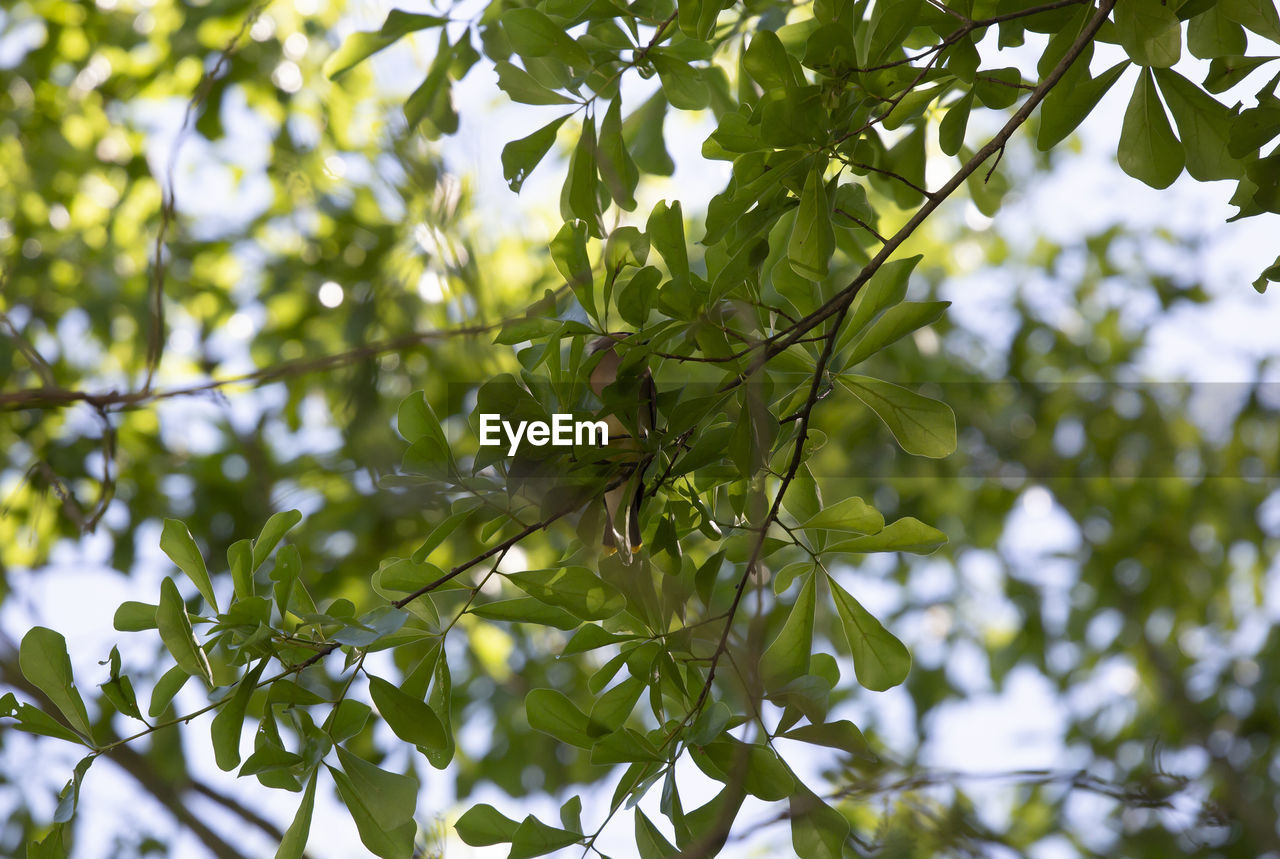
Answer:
(1102, 539)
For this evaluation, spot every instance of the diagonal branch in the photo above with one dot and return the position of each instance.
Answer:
(46, 398)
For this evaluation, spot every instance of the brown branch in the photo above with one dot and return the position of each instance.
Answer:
(859, 165)
(494, 550)
(861, 223)
(44, 398)
(34, 358)
(238, 808)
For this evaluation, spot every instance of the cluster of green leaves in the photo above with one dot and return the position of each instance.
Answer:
(786, 301)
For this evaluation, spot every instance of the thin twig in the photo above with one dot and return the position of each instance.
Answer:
(169, 203)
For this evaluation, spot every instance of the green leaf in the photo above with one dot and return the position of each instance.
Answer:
(359, 46)
(347, 718)
(372, 627)
(177, 635)
(897, 322)
(519, 157)
(119, 689)
(757, 768)
(1148, 150)
(705, 821)
(69, 798)
(526, 610)
(522, 329)
(612, 708)
(842, 735)
(569, 253)
(35, 721)
(848, 514)
(635, 297)
(535, 838)
(818, 831)
(381, 804)
(438, 535)
(590, 637)
(431, 104)
(228, 722)
(666, 233)
(272, 533)
(409, 717)
(51, 846)
(571, 814)
(483, 825)
(1204, 125)
(285, 575)
(294, 843)
(169, 684)
(890, 24)
(1068, 104)
(643, 132)
(575, 589)
(240, 561)
(550, 712)
(267, 757)
(1212, 34)
(524, 88)
(405, 576)
(905, 535)
(43, 659)
(997, 88)
(803, 499)
(963, 59)
(1226, 72)
(788, 656)
(440, 701)
(649, 841)
(697, 18)
(617, 169)
(790, 119)
(1254, 128)
(921, 426)
(684, 87)
(415, 419)
(880, 660)
(1150, 32)
(885, 289)
(623, 747)
(626, 246)
(812, 239)
(767, 62)
(1269, 275)
(784, 577)
(134, 616)
(533, 34)
(951, 129)
(1260, 16)
(177, 543)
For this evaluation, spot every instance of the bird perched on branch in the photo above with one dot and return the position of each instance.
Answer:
(616, 381)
